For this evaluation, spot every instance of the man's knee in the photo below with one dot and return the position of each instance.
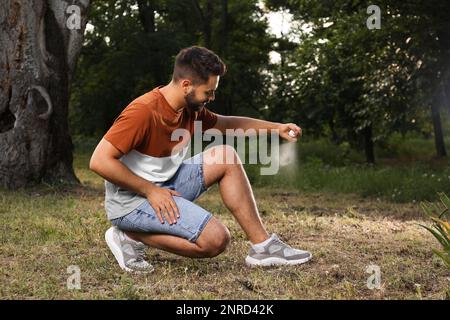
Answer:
(224, 154)
(215, 241)
(218, 244)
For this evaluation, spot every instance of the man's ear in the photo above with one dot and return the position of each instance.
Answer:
(186, 84)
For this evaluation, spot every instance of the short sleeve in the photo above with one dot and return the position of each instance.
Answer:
(130, 129)
(207, 117)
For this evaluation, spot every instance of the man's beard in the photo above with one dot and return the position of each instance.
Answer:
(192, 103)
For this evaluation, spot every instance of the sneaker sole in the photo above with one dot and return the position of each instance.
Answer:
(252, 262)
(109, 237)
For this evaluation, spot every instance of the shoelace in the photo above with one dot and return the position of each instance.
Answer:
(276, 239)
(287, 248)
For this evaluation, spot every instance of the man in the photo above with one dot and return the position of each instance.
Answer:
(150, 191)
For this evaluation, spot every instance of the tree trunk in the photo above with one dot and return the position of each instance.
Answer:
(368, 144)
(207, 24)
(224, 34)
(38, 54)
(223, 48)
(438, 136)
(206, 20)
(334, 136)
(147, 15)
(446, 93)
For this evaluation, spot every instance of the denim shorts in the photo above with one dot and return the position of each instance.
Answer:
(190, 183)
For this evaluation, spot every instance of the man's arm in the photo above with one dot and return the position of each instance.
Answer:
(234, 122)
(105, 162)
(245, 123)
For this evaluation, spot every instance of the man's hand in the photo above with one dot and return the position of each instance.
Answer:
(161, 200)
(285, 128)
(105, 162)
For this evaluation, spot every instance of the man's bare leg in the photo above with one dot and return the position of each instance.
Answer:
(238, 197)
(235, 189)
(212, 241)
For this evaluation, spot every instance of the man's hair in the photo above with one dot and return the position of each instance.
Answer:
(197, 64)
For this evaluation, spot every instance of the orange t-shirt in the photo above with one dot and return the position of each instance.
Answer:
(147, 123)
(143, 132)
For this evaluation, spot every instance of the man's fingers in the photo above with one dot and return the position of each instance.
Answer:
(166, 209)
(169, 211)
(175, 210)
(295, 128)
(158, 214)
(157, 211)
(174, 205)
(166, 214)
(176, 193)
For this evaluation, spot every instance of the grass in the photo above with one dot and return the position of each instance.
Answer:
(407, 175)
(401, 183)
(47, 229)
(441, 228)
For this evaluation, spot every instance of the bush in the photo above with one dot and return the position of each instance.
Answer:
(441, 227)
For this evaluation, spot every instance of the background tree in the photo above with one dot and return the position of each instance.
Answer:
(38, 54)
(361, 85)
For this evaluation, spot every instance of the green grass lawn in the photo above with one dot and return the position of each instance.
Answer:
(47, 229)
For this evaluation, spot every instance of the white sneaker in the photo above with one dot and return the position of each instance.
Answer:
(129, 254)
(276, 252)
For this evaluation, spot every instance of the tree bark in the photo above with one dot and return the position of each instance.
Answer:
(368, 144)
(224, 34)
(38, 55)
(446, 93)
(438, 135)
(147, 15)
(206, 20)
(334, 136)
(207, 29)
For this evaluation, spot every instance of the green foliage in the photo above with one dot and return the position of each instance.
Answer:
(326, 167)
(339, 80)
(345, 78)
(125, 56)
(407, 147)
(440, 228)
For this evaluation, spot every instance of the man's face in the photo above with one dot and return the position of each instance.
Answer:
(202, 94)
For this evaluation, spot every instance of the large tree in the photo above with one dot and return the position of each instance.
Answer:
(361, 85)
(39, 44)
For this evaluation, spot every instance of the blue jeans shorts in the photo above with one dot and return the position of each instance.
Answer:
(190, 183)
